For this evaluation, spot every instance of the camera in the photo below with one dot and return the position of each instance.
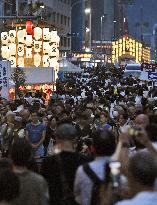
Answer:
(134, 131)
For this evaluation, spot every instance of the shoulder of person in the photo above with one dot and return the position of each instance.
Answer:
(125, 202)
(28, 125)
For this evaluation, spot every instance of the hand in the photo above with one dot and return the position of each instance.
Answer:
(34, 146)
(142, 137)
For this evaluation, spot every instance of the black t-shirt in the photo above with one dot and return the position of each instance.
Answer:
(51, 171)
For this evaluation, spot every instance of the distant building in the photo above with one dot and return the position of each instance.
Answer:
(77, 25)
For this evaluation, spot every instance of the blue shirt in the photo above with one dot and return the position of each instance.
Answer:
(35, 135)
(35, 132)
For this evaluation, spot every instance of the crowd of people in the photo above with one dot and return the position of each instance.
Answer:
(94, 143)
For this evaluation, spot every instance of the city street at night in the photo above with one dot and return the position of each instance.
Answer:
(78, 102)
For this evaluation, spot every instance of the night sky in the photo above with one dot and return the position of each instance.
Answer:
(150, 16)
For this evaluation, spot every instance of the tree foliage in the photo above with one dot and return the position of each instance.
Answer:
(19, 78)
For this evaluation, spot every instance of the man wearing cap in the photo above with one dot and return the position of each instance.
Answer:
(59, 170)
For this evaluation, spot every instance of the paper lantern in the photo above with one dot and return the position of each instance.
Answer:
(46, 48)
(28, 40)
(21, 35)
(4, 38)
(21, 50)
(55, 38)
(37, 60)
(28, 52)
(20, 62)
(46, 61)
(53, 63)
(12, 36)
(37, 46)
(29, 27)
(12, 60)
(12, 48)
(5, 52)
(53, 50)
(46, 34)
(37, 33)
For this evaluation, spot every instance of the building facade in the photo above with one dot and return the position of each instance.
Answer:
(77, 25)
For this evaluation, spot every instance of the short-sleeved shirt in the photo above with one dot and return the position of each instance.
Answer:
(35, 132)
(35, 135)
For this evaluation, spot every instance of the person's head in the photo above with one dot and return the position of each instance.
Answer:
(84, 118)
(53, 122)
(34, 117)
(104, 142)
(10, 117)
(122, 119)
(142, 172)
(9, 186)
(131, 112)
(103, 117)
(6, 164)
(142, 121)
(21, 153)
(65, 134)
(18, 122)
(25, 115)
(58, 109)
(151, 131)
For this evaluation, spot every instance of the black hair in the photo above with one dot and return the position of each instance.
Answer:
(143, 168)
(151, 131)
(66, 132)
(5, 164)
(9, 186)
(104, 142)
(21, 153)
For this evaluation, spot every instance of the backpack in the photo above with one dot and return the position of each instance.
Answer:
(98, 185)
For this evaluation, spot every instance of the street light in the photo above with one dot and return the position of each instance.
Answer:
(87, 10)
(102, 26)
(88, 29)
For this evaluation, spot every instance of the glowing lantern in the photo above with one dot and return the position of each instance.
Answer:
(29, 27)
(4, 38)
(12, 60)
(12, 36)
(20, 62)
(5, 52)
(21, 50)
(29, 40)
(46, 34)
(12, 48)
(37, 60)
(45, 61)
(28, 52)
(46, 47)
(37, 46)
(37, 33)
(21, 35)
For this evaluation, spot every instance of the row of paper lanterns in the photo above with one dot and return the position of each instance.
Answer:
(39, 34)
(10, 50)
(47, 61)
